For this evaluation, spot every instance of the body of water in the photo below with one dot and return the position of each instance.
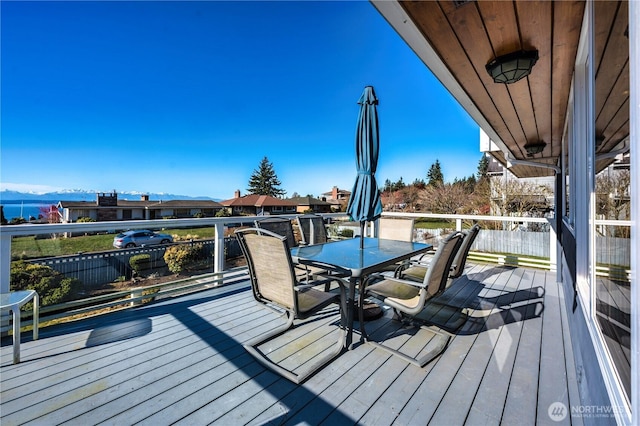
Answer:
(12, 209)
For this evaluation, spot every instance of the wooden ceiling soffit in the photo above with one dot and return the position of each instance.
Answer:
(431, 21)
(470, 28)
(568, 21)
(612, 76)
(535, 27)
(505, 38)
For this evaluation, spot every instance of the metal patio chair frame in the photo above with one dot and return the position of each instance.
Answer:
(312, 229)
(416, 269)
(409, 298)
(275, 285)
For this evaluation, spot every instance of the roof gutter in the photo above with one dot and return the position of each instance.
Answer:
(614, 153)
(512, 161)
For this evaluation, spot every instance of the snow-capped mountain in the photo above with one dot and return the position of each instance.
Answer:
(84, 195)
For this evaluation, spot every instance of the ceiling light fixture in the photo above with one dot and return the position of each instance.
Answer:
(513, 66)
(534, 148)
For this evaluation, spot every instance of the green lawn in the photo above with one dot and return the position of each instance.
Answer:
(433, 224)
(31, 247)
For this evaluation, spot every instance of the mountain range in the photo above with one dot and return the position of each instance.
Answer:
(10, 197)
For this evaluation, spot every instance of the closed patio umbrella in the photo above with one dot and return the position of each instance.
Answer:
(364, 204)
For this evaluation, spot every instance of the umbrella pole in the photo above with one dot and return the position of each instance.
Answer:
(362, 234)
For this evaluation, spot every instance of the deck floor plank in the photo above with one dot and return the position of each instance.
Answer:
(553, 386)
(464, 391)
(181, 361)
(463, 387)
(522, 399)
(490, 397)
(442, 371)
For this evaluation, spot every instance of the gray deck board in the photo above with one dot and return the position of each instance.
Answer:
(553, 387)
(491, 395)
(521, 404)
(181, 361)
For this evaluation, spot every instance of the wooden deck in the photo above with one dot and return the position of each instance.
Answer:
(182, 361)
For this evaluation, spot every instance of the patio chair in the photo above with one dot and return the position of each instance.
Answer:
(312, 229)
(280, 226)
(274, 284)
(284, 228)
(416, 269)
(409, 298)
(390, 228)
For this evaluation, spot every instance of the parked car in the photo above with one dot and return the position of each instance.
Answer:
(139, 238)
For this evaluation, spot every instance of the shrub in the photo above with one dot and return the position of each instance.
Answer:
(85, 219)
(140, 262)
(185, 256)
(347, 233)
(187, 237)
(51, 285)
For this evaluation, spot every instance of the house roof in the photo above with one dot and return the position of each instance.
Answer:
(256, 200)
(194, 204)
(456, 40)
(340, 191)
(308, 201)
(151, 204)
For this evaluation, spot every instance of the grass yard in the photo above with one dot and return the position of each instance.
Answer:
(432, 224)
(32, 247)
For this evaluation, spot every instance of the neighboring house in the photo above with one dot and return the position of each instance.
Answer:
(338, 198)
(108, 207)
(258, 205)
(554, 85)
(310, 204)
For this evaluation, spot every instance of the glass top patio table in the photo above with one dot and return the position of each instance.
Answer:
(347, 254)
(376, 254)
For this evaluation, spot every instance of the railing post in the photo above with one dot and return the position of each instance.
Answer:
(5, 262)
(5, 275)
(218, 248)
(459, 224)
(553, 249)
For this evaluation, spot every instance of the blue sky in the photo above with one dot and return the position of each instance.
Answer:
(188, 97)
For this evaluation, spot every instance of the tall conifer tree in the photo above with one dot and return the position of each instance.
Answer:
(435, 176)
(264, 180)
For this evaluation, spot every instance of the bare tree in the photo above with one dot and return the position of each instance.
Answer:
(446, 198)
(613, 200)
(612, 195)
(519, 198)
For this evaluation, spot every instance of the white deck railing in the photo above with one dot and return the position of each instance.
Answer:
(219, 275)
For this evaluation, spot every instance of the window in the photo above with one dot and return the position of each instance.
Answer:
(568, 195)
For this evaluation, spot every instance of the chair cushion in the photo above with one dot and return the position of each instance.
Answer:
(415, 273)
(310, 299)
(388, 288)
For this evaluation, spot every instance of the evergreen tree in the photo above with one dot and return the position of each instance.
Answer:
(483, 167)
(435, 177)
(387, 186)
(419, 183)
(264, 181)
(399, 184)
